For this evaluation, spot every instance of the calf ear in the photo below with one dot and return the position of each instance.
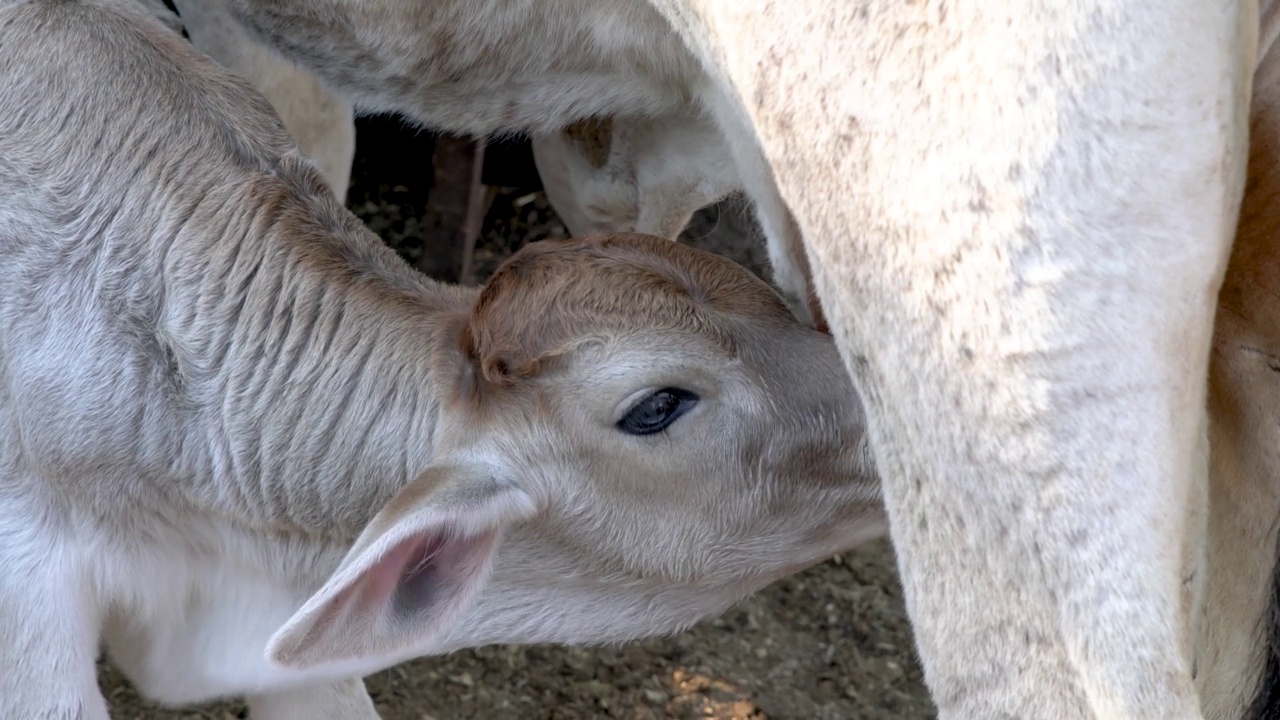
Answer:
(413, 572)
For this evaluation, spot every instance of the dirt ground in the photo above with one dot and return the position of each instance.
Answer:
(830, 643)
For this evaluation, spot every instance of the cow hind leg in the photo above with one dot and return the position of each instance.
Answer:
(1019, 218)
(1238, 650)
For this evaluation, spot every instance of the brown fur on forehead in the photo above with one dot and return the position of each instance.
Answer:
(553, 295)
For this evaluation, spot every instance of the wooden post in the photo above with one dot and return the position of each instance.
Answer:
(456, 209)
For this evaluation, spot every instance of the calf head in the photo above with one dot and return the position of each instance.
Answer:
(634, 435)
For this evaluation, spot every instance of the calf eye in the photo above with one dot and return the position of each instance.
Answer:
(656, 412)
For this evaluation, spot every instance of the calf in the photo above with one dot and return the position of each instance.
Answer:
(248, 447)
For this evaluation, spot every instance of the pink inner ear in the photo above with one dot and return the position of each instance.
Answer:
(400, 601)
(405, 559)
(424, 577)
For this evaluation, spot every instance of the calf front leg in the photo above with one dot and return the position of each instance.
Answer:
(48, 617)
(627, 174)
(1019, 216)
(649, 175)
